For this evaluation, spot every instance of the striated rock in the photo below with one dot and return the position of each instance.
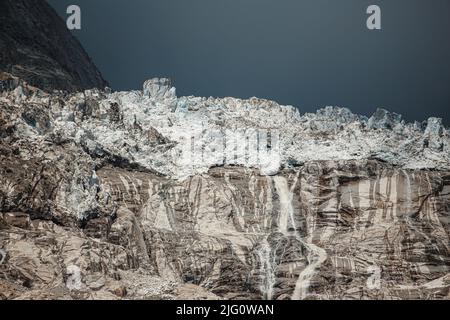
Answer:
(296, 241)
(2, 256)
(121, 196)
(3, 224)
(95, 281)
(17, 219)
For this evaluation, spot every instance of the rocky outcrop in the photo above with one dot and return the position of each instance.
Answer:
(36, 46)
(144, 195)
(345, 229)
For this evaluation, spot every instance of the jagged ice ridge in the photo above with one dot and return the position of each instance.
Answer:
(124, 123)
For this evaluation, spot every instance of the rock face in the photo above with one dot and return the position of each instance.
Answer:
(143, 195)
(36, 46)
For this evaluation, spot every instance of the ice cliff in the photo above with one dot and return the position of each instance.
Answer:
(200, 133)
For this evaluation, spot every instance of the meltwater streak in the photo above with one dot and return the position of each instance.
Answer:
(267, 270)
(316, 255)
(267, 259)
(286, 209)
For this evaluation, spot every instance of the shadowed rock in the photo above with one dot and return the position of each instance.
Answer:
(36, 46)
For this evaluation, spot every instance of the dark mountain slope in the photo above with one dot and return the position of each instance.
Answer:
(36, 46)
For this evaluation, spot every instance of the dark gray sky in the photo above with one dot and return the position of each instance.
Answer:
(308, 53)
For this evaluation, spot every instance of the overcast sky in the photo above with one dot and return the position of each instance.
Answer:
(308, 53)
